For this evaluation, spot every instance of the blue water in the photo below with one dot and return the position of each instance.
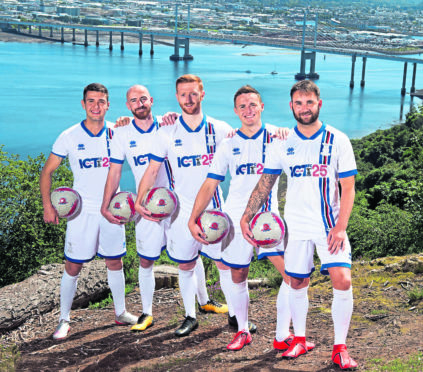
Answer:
(41, 87)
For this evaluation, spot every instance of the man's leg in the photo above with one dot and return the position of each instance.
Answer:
(342, 307)
(68, 288)
(147, 283)
(116, 280)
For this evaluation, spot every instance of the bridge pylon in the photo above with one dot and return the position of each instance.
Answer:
(181, 43)
(312, 75)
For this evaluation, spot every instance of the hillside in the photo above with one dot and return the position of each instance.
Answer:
(387, 324)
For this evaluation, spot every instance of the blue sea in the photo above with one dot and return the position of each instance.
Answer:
(41, 87)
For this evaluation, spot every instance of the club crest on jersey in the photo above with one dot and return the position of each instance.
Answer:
(81, 147)
(132, 144)
(178, 142)
(325, 149)
(290, 151)
(236, 151)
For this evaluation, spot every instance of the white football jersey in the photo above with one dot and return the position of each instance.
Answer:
(244, 157)
(89, 157)
(190, 154)
(134, 144)
(313, 166)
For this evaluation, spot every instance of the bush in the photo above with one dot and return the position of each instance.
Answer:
(26, 242)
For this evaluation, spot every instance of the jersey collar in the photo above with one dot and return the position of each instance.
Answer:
(188, 129)
(90, 133)
(314, 136)
(149, 130)
(242, 135)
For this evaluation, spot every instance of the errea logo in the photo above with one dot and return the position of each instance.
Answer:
(178, 142)
(132, 144)
(236, 151)
(81, 147)
(290, 151)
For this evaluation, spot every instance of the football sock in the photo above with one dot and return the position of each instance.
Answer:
(67, 293)
(202, 295)
(283, 318)
(116, 280)
(226, 285)
(298, 302)
(147, 285)
(188, 288)
(342, 307)
(240, 300)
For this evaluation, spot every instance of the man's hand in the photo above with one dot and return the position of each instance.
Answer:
(109, 216)
(169, 118)
(122, 121)
(50, 215)
(145, 213)
(232, 133)
(336, 239)
(196, 232)
(281, 133)
(246, 232)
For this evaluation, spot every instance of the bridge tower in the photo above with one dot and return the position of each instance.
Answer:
(181, 42)
(311, 56)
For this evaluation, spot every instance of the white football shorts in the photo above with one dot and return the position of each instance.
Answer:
(90, 234)
(299, 257)
(151, 238)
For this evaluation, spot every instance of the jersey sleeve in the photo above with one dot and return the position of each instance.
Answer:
(60, 146)
(162, 143)
(273, 163)
(117, 153)
(220, 163)
(346, 160)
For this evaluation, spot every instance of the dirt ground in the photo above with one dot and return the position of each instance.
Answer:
(385, 326)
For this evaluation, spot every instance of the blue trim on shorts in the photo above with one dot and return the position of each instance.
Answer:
(324, 269)
(181, 261)
(111, 257)
(152, 258)
(262, 256)
(295, 275)
(235, 265)
(78, 261)
(214, 259)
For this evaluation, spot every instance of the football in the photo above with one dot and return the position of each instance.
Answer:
(122, 206)
(268, 229)
(66, 201)
(215, 224)
(161, 202)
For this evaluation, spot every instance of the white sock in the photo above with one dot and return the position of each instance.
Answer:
(298, 302)
(67, 293)
(283, 313)
(147, 286)
(116, 280)
(188, 288)
(342, 307)
(226, 285)
(202, 295)
(241, 299)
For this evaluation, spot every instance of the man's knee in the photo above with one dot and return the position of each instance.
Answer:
(114, 264)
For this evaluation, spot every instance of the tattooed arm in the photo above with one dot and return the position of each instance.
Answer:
(257, 198)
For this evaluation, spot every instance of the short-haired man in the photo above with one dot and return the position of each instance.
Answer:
(315, 157)
(87, 145)
(189, 146)
(244, 155)
(135, 142)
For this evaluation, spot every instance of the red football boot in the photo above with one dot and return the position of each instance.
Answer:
(297, 348)
(286, 343)
(241, 339)
(341, 358)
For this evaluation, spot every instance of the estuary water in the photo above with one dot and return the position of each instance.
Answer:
(41, 87)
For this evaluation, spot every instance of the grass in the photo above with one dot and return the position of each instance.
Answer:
(412, 363)
(9, 357)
